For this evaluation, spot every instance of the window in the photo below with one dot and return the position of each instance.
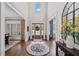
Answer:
(37, 7)
(76, 23)
(71, 15)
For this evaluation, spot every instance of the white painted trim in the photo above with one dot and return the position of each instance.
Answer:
(10, 18)
(26, 33)
(48, 30)
(13, 22)
(2, 28)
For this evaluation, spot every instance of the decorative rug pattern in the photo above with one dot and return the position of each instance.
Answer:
(37, 48)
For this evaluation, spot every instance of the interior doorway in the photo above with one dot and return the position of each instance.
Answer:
(37, 30)
(14, 32)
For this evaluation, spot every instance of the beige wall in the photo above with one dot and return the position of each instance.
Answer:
(55, 11)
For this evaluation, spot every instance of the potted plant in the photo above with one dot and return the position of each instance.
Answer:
(68, 35)
(69, 40)
(64, 34)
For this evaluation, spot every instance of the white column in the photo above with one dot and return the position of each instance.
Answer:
(29, 22)
(2, 29)
(45, 22)
(30, 29)
(57, 27)
(26, 22)
(26, 33)
(44, 32)
(47, 30)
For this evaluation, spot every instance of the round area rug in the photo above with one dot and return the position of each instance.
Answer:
(37, 48)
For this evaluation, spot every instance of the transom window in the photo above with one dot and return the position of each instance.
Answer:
(37, 7)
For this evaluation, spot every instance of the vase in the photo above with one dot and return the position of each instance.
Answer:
(69, 42)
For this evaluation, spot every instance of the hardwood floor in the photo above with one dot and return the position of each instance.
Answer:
(19, 49)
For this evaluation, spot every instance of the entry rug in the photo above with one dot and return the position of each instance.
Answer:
(37, 48)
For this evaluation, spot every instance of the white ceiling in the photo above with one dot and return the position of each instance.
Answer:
(10, 14)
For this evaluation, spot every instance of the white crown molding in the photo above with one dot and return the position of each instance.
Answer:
(10, 18)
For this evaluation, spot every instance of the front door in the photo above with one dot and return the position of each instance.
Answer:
(37, 30)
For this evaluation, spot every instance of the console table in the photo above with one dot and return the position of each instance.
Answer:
(67, 51)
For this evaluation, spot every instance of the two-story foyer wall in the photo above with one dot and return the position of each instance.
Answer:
(22, 7)
(10, 14)
(15, 20)
(37, 17)
(55, 10)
